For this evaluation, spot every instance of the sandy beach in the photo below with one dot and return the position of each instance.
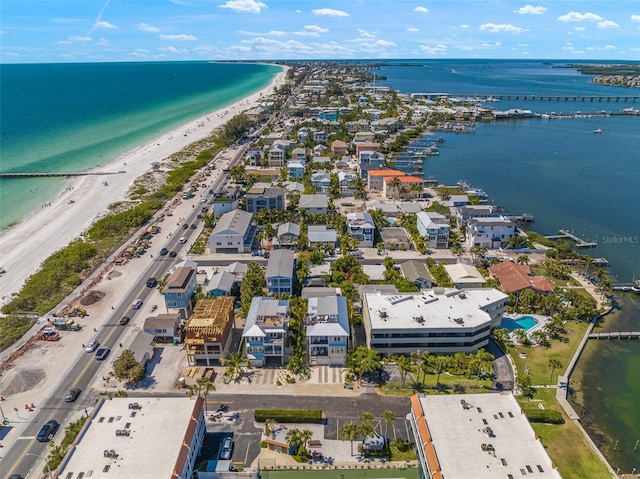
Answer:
(24, 246)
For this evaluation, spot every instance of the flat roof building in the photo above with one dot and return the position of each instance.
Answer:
(480, 436)
(142, 438)
(441, 320)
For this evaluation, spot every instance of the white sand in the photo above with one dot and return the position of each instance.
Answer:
(26, 245)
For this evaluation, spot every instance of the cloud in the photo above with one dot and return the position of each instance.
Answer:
(181, 37)
(311, 31)
(99, 23)
(499, 27)
(531, 10)
(63, 42)
(435, 50)
(103, 42)
(421, 9)
(463, 25)
(580, 17)
(329, 12)
(272, 33)
(607, 24)
(172, 49)
(78, 38)
(366, 34)
(579, 29)
(383, 43)
(413, 29)
(66, 20)
(145, 27)
(103, 24)
(245, 6)
(635, 18)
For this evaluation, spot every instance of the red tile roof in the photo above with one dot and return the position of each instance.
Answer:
(516, 277)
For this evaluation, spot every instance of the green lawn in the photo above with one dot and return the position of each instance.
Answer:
(564, 443)
(537, 357)
(449, 384)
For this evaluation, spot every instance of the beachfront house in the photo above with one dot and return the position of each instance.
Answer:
(225, 201)
(265, 331)
(434, 228)
(280, 271)
(165, 328)
(178, 291)
(490, 233)
(233, 233)
(327, 330)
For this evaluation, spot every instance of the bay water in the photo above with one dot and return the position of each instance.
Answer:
(568, 178)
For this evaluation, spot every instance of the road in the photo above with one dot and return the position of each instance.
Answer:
(82, 372)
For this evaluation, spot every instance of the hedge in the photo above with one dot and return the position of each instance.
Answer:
(549, 416)
(313, 416)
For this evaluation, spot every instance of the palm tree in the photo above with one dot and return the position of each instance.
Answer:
(305, 436)
(482, 361)
(202, 386)
(420, 358)
(366, 428)
(234, 364)
(439, 366)
(269, 426)
(294, 437)
(388, 417)
(349, 432)
(395, 184)
(523, 259)
(406, 366)
(554, 364)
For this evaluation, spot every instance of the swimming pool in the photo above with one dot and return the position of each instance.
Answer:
(523, 322)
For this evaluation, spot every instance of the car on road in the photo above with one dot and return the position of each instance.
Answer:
(102, 353)
(225, 449)
(15, 476)
(210, 192)
(91, 347)
(204, 209)
(173, 254)
(194, 226)
(72, 395)
(124, 320)
(137, 304)
(48, 431)
(185, 226)
(163, 251)
(182, 240)
(152, 282)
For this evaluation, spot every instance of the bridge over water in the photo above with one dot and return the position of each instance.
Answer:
(531, 97)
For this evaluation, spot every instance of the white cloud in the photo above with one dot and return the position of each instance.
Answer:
(181, 37)
(63, 42)
(580, 17)
(635, 18)
(142, 50)
(366, 34)
(145, 27)
(568, 47)
(312, 31)
(435, 50)
(383, 43)
(103, 24)
(78, 38)
(298, 11)
(579, 29)
(245, 6)
(500, 27)
(172, 49)
(463, 25)
(272, 33)
(577, 52)
(413, 29)
(329, 12)
(421, 9)
(608, 24)
(531, 10)
(103, 42)
(523, 44)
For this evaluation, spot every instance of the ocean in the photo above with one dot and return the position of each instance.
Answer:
(74, 116)
(568, 178)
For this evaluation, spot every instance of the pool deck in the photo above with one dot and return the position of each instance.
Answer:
(541, 321)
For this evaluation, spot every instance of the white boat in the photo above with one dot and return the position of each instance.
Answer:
(598, 131)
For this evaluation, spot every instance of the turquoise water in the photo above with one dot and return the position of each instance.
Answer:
(71, 117)
(523, 322)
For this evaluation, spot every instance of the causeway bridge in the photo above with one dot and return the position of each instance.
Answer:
(530, 97)
(616, 335)
(52, 174)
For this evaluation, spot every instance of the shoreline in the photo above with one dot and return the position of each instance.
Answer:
(26, 244)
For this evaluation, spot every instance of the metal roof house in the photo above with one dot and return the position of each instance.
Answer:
(265, 331)
(327, 330)
(280, 270)
(233, 233)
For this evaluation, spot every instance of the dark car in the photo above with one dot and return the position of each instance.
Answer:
(185, 226)
(72, 395)
(48, 431)
(15, 476)
(204, 209)
(163, 251)
(102, 353)
(124, 320)
(152, 282)
(173, 254)
(225, 449)
(194, 226)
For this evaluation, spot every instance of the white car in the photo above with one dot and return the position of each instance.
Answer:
(137, 304)
(183, 240)
(91, 347)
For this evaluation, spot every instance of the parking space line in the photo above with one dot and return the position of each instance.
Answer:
(406, 425)
(337, 429)
(246, 456)
(393, 427)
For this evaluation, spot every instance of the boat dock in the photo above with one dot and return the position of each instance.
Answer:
(580, 243)
(523, 218)
(52, 174)
(616, 335)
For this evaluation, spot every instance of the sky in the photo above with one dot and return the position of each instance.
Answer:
(45, 31)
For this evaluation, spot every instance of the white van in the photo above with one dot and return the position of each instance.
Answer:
(183, 240)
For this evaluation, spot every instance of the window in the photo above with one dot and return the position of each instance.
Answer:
(219, 243)
(229, 243)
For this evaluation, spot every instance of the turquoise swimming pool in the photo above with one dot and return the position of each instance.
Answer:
(523, 322)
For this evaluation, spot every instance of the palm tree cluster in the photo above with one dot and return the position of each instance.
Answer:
(297, 439)
(235, 366)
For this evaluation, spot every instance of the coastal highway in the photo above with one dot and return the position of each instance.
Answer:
(81, 372)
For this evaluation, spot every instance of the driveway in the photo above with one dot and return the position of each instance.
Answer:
(503, 376)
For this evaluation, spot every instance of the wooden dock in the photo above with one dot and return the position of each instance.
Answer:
(52, 174)
(580, 243)
(616, 335)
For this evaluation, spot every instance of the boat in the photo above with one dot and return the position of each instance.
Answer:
(598, 131)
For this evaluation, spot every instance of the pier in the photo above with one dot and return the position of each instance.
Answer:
(528, 97)
(523, 218)
(52, 174)
(580, 243)
(616, 335)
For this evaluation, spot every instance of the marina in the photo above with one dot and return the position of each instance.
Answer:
(529, 97)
